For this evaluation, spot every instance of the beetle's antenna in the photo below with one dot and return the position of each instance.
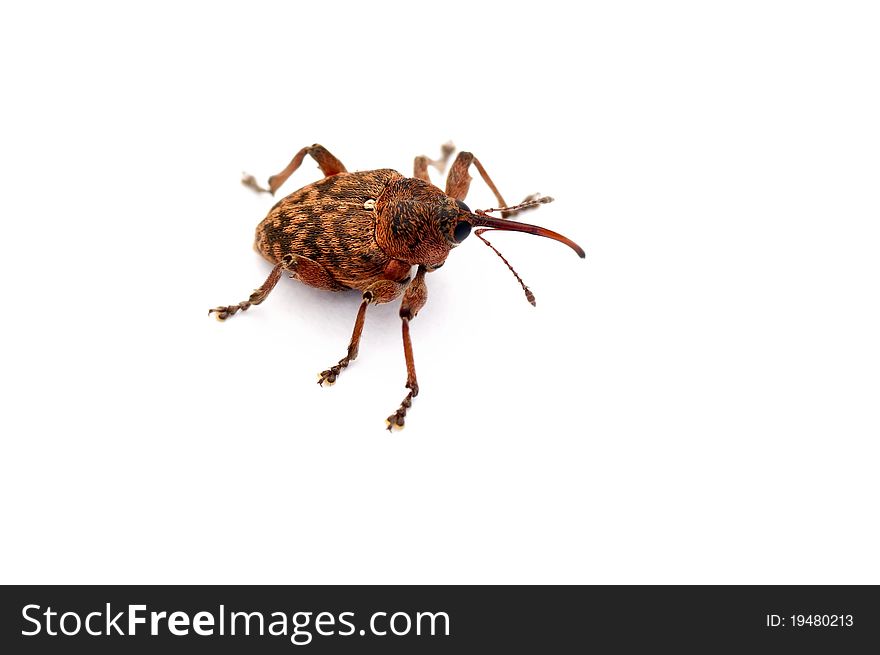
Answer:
(482, 220)
(529, 295)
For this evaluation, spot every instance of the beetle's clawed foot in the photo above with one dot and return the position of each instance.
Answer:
(329, 376)
(446, 151)
(225, 312)
(397, 420)
(222, 313)
(251, 183)
(529, 202)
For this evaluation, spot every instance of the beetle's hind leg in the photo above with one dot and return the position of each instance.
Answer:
(258, 296)
(328, 163)
(301, 268)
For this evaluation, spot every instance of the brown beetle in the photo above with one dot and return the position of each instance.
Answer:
(366, 231)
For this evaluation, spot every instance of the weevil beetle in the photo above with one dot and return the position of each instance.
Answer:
(367, 230)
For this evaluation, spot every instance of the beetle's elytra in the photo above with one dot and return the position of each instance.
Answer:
(367, 230)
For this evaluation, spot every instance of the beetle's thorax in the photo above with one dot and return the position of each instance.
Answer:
(413, 221)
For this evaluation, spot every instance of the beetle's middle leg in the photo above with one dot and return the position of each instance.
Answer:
(378, 292)
(328, 163)
(459, 182)
(421, 163)
(329, 376)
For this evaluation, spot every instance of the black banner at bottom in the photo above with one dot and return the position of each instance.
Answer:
(435, 619)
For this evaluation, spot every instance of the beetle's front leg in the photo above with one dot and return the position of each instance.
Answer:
(413, 300)
(459, 182)
(378, 292)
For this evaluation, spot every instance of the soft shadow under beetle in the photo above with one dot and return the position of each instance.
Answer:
(367, 230)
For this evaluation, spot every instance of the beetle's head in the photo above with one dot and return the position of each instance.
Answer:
(419, 224)
(416, 222)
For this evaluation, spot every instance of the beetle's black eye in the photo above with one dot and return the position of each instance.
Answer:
(461, 231)
(462, 206)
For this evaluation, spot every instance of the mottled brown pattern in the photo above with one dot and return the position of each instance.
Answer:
(327, 223)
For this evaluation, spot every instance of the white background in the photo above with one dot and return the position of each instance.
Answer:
(695, 402)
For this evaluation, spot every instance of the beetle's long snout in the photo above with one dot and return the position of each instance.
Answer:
(482, 220)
